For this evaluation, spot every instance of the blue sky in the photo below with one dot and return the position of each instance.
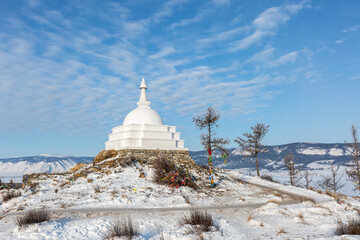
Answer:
(70, 70)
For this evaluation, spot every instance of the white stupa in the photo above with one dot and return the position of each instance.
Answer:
(143, 128)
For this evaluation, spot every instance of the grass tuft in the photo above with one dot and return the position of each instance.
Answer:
(200, 220)
(269, 178)
(97, 188)
(122, 228)
(10, 194)
(352, 227)
(33, 216)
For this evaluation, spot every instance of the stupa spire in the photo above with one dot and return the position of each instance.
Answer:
(143, 101)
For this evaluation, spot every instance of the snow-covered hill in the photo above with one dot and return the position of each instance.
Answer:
(305, 154)
(314, 157)
(122, 187)
(15, 168)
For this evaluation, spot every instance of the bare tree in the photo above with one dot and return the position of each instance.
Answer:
(252, 142)
(290, 164)
(208, 121)
(333, 182)
(336, 185)
(307, 179)
(354, 171)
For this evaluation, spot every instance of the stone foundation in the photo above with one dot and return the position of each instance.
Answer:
(148, 156)
(127, 156)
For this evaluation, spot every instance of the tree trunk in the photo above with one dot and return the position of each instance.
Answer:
(257, 166)
(209, 139)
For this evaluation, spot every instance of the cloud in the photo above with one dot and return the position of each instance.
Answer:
(64, 74)
(166, 51)
(267, 24)
(221, 2)
(313, 76)
(263, 55)
(266, 59)
(355, 77)
(257, 36)
(354, 28)
(34, 3)
(340, 41)
(325, 48)
(200, 15)
(287, 58)
(222, 36)
(167, 9)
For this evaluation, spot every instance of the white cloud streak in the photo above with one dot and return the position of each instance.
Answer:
(354, 28)
(68, 76)
(267, 24)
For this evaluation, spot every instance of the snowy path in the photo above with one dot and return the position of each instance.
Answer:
(299, 193)
(156, 209)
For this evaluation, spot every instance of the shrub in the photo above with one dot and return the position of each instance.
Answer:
(33, 216)
(168, 173)
(97, 189)
(114, 192)
(352, 227)
(200, 220)
(122, 228)
(10, 194)
(269, 178)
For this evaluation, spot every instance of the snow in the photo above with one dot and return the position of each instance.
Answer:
(239, 151)
(305, 220)
(278, 150)
(336, 152)
(312, 151)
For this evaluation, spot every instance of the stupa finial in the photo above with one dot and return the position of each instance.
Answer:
(143, 102)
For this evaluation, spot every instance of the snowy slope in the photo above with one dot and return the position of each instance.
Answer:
(15, 168)
(123, 188)
(305, 153)
(314, 157)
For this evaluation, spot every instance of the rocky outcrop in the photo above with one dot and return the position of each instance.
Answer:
(107, 160)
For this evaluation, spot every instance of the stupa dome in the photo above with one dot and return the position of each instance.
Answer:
(143, 128)
(143, 115)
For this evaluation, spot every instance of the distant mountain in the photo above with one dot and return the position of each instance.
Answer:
(17, 167)
(305, 154)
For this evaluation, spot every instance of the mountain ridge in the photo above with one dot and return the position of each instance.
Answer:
(305, 154)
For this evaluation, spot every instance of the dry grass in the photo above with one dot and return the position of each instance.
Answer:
(273, 201)
(32, 217)
(281, 231)
(269, 178)
(331, 194)
(352, 227)
(105, 154)
(97, 188)
(277, 194)
(114, 192)
(10, 194)
(124, 228)
(301, 217)
(250, 217)
(199, 220)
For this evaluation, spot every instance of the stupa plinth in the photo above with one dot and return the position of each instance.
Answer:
(143, 128)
